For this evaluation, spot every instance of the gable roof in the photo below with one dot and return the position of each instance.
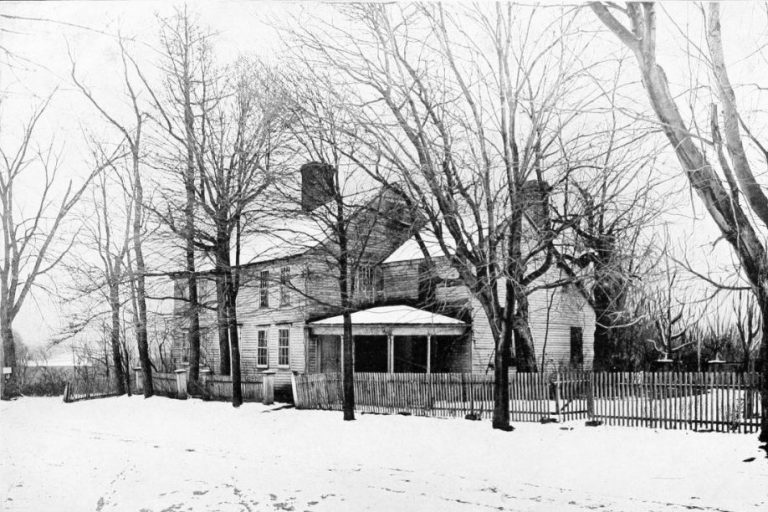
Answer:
(286, 233)
(410, 249)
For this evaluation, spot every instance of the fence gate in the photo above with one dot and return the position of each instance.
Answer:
(571, 395)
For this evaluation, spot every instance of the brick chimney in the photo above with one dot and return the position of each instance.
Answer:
(316, 185)
(535, 202)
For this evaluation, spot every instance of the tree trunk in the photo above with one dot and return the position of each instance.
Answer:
(193, 335)
(117, 358)
(501, 360)
(347, 348)
(229, 337)
(516, 309)
(604, 346)
(141, 294)
(234, 342)
(762, 299)
(525, 357)
(9, 388)
(347, 343)
(222, 323)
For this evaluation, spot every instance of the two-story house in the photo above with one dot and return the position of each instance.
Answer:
(405, 320)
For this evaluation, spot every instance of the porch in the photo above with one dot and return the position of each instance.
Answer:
(393, 339)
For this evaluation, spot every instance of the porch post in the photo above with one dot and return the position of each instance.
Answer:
(390, 353)
(429, 353)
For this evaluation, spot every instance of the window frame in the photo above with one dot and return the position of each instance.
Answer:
(264, 288)
(259, 332)
(283, 349)
(373, 284)
(285, 279)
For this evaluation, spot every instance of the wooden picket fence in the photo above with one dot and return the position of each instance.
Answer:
(86, 387)
(725, 402)
(165, 384)
(219, 387)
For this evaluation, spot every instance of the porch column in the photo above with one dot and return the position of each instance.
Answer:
(390, 353)
(429, 353)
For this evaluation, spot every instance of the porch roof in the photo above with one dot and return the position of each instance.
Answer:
(402, 320)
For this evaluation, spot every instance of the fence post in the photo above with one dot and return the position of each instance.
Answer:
(268, 387)
(591, 395)
(205, 375)
(181, 384)
(139, 382)
(66, 392)
(294, 390)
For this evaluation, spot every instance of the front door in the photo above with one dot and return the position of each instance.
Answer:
(330, 353)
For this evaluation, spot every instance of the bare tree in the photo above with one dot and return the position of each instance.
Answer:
(669, 315)
(182, 104)
(721, 193)
(102, 280)
(345, 208)
(132, 134)
(31, 242)
(472, 124)
(748, 327)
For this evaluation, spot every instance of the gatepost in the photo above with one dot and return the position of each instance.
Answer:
(181, 384)
(139, 380)
(268, 387)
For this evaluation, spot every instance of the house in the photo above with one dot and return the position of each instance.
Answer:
(405, 321)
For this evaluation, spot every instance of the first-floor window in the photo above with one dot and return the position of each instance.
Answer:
(283, 353)
(262, 356)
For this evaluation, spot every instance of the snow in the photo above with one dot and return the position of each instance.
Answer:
(392, 315)
(157, 454)
(410, 250)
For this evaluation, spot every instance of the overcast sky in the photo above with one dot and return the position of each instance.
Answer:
(86, 30)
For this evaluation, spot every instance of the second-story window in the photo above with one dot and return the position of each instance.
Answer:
(285, 283)
(368, 281)
(264, 289)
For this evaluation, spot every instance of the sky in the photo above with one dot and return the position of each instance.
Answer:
(41, 66)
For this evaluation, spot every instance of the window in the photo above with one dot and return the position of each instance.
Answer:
(283, 347)
(577, 346)
(264, 289)
(368, 281)
(262, 356)
(285, 282)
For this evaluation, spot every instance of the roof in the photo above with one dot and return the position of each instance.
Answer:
(410, 250)
(287, 232)
(392, 315)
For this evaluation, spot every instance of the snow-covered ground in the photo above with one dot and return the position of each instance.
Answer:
(132, 454)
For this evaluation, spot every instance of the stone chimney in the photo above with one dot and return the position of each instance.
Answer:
(316, 185)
